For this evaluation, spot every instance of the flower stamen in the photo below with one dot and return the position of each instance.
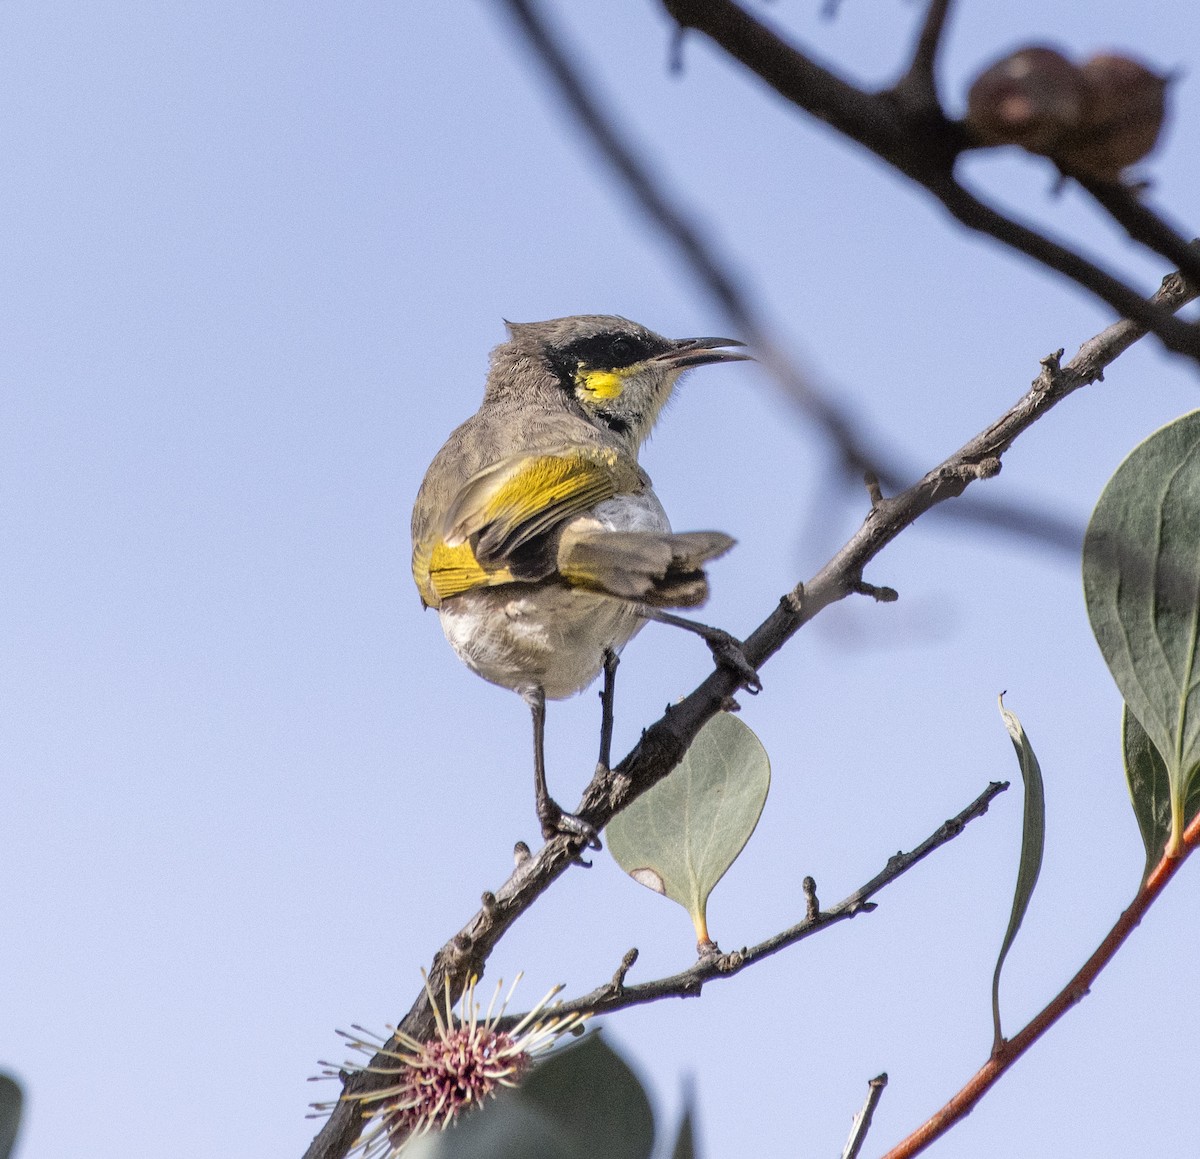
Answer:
(458, 1069)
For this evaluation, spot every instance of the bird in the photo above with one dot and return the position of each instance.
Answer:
(538, 537)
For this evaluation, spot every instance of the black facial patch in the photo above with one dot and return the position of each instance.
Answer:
(613, 350)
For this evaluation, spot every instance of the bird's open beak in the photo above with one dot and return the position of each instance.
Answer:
(687, 352)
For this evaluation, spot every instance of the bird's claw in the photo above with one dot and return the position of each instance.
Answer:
(556, 822)
(730, 653)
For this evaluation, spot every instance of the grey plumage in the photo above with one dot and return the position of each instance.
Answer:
(536, 534)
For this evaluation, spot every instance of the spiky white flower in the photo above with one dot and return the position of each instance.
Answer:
(429, 1084)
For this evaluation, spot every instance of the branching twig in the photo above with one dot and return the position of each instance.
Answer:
(663, 744)
(1009, 1050)
(617, 994)
(918, 88)
(923, 145)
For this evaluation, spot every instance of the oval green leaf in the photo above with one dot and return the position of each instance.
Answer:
(1033, 842)
(683, 834)
(1141, 577)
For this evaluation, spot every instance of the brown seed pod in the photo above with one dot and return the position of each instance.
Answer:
(1124, 108)
(1032, 98)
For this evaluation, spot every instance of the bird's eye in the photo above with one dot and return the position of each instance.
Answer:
(623, 351)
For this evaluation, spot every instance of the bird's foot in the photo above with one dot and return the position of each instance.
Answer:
(557, 822)
(730, 652)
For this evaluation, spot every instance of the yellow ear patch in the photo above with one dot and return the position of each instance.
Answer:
(601, 384)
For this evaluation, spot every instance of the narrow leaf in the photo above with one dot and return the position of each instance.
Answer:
(1141, 577)
(681, 836)
(1033, 840)
(1150, 790)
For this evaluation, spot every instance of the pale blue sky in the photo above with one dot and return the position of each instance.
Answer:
(252, 260)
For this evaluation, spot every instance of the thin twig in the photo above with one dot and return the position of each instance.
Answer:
(689, 983)
(1073, 992)
(862, 1121)
(1145, 226)
(918, 87)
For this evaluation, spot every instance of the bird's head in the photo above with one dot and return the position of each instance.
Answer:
(619, 373)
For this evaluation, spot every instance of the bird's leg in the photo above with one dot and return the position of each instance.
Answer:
(554, 820)
(611, 660)
(727, 651)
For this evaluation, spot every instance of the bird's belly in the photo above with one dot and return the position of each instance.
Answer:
(544, 636)
(549, 635)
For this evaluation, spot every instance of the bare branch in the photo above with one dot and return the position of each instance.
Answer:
(862, 1121)
(1177, 336)
(617, 995)
(1143, 225)
(872, 120)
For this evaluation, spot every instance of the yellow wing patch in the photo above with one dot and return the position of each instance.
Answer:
(500, 527)
(516, 500)
(448, 571)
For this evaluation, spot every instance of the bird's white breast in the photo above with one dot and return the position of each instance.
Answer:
(548, 635)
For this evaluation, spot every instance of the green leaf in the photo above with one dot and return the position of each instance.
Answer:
(681, 836)
(590, 1091)
(582, 1102)
(10, 1114)
(1033, 841)
(1150, 790)
(1141, 577)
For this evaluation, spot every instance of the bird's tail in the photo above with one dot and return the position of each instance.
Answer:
(655, 568)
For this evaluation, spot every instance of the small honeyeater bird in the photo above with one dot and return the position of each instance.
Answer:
(538, 537)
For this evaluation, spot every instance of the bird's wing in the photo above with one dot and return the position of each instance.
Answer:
(501, 525)
(513, 502)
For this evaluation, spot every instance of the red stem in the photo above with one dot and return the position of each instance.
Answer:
(1011, 1049)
